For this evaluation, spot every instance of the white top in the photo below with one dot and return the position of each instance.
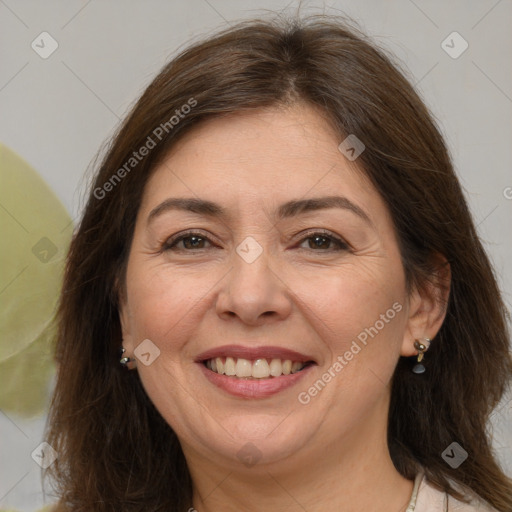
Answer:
(426, 498)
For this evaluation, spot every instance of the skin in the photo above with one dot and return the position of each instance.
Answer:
(328, 454)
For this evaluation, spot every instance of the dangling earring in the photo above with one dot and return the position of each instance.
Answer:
(421, 347)
(125, 361)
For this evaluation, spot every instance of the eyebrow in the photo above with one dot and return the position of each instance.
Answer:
(286, 210)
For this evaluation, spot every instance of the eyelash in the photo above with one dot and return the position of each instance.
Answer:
(170, 244)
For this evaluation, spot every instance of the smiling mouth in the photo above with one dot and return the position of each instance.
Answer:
(261, 368)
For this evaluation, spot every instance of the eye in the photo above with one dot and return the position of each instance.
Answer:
(191, 240)
(324, 240)
(320, 241)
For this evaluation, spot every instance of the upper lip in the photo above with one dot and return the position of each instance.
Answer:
(253, 353)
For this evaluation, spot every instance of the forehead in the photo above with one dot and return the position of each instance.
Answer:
(268, 155)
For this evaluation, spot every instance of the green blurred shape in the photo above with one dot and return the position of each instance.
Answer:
(48, 508)
(36, 231)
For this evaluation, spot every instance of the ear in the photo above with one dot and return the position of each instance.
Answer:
(125, 319)
(427, 305)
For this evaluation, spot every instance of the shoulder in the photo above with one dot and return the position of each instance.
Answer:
(430, 499)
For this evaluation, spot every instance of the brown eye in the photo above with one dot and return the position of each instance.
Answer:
(324, 242)
(320, 242)
(190, 241)
(193, 242)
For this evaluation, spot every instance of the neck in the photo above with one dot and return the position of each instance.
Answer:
(355, 473)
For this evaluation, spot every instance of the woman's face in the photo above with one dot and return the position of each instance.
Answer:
(257, 270)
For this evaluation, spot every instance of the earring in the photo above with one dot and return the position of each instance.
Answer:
(421, 347)
(125, 361)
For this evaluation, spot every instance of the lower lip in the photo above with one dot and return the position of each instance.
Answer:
(254, 388)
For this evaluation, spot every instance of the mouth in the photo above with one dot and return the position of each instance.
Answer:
(255, 372)
(259, 369)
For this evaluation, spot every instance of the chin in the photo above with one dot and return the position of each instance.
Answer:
(258, 439)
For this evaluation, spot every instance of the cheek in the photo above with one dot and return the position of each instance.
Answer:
(351, 300)
(372, 328)
(162, 305)
(361, 319)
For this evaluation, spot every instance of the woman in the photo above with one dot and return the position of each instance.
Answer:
(276, 298)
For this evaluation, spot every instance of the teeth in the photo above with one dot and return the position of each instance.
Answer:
(243, 368)
(229, 366)
(258, 369)
(276, 368)
(296, 366)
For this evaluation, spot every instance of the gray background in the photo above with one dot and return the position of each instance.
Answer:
(56, 112)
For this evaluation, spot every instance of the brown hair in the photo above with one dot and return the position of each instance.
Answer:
(115, 450)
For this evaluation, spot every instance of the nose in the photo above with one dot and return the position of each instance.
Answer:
(253, 292)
